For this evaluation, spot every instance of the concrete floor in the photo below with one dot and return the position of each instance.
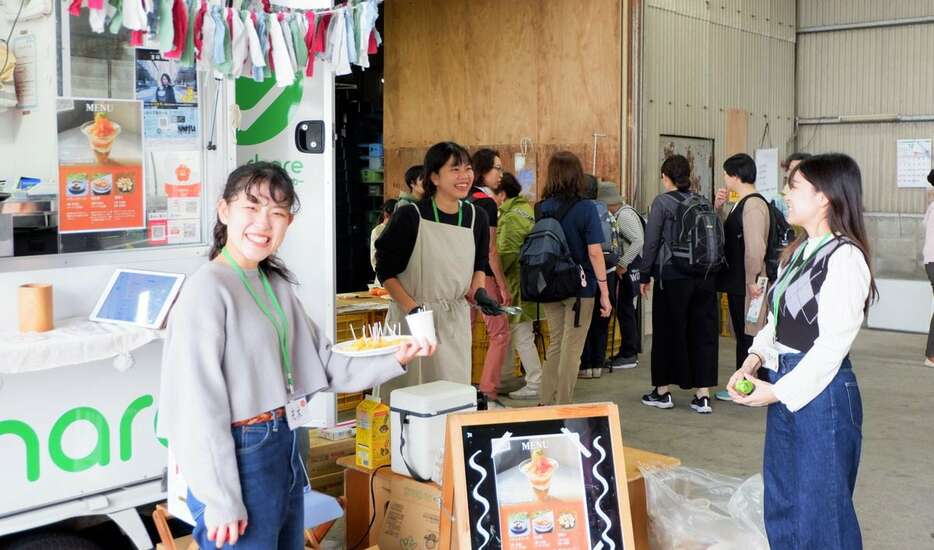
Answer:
(895, 489)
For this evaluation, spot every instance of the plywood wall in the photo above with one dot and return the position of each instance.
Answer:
(486, 73)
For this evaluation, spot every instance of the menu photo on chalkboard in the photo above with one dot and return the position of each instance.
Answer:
(542, 478)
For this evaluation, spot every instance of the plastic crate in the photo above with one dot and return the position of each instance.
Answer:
(375, 163)
(373, 149)
(371, 176)
(348, 401)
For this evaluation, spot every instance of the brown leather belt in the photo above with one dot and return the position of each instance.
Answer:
(260, 418)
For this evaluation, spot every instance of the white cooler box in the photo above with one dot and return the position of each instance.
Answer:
(418, 418)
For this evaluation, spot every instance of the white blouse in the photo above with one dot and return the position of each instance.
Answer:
(840, 315)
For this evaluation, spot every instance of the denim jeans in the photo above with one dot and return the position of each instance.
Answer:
(272, 482)
(811, 460)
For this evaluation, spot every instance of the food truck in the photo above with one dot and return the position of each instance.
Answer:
(114, 157)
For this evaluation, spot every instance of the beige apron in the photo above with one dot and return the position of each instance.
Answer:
(438, 277)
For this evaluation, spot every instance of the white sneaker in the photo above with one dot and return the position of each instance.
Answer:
(526, 392)
(928, 362)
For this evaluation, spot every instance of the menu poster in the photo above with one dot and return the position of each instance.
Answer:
(545, 484)
(540, 489)
(178, 180)
(170, 94)
(100, 167)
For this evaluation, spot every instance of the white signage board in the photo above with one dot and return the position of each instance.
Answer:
(767, 173)
(913, 162)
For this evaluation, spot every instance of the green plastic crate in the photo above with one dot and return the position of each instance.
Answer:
(371, 176)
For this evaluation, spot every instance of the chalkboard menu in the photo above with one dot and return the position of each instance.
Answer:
(542, 478)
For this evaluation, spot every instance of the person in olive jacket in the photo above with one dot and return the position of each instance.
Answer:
(516, 218)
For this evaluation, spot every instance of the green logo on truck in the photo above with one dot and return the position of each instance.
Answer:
(272, 121)
(99, 455)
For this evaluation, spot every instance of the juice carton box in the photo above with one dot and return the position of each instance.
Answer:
(373, 441)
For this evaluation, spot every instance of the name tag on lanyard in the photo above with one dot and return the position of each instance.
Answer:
(298, 412)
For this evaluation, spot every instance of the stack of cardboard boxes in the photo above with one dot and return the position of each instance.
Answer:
(326, 476)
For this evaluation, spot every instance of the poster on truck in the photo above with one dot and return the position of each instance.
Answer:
(170, 97)
(100, 166)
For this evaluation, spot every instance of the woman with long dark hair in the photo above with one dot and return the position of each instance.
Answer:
(241, 352)
(488, 173)
(685, 328)
(569, 319)
(816, 308)
(165, 93)
(432, 255)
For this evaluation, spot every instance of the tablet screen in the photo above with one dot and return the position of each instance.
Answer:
(137, 298)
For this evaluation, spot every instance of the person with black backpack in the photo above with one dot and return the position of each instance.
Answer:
(683, 251)
(593, 358)
(561, 266)
(746, 227)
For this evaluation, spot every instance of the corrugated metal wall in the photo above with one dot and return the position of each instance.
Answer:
(868, 72)
(812, 13)
(701, 58)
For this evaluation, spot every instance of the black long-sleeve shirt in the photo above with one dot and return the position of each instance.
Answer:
(394, 247)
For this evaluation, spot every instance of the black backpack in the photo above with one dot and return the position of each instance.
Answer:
(781, 234)
(697, 248)
(547, 271)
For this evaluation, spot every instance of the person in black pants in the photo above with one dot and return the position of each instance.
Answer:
(746, 231)
(631, 235)
(685, 317)
(593, 358)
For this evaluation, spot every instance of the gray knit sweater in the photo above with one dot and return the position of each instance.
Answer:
(221, 364)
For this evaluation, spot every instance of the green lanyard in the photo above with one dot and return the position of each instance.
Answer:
(460, 212)
(280, 321)
(788, 276)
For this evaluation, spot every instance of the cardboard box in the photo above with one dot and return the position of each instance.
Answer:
(183, 543)
(323, 455)
(373, 441)
(413, 518)
(329, 484)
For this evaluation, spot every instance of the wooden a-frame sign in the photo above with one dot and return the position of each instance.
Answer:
(540, 477)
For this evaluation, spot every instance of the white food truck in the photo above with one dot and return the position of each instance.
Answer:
(78, 404)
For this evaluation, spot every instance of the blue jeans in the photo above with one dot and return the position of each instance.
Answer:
(272, 482)
(811, 460)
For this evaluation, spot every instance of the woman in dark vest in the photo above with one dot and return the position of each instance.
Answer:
(816, 307)
(746, 229)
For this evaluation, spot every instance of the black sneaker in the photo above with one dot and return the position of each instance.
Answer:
(659, 401)
(619, 362)
(701, 405)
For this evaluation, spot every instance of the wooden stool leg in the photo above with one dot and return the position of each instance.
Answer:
(160, 516)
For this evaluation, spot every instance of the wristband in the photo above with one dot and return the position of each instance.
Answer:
(601, 280)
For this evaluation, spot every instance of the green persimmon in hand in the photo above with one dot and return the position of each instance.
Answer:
(744, 387)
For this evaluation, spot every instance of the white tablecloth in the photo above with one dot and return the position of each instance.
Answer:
(72, 342)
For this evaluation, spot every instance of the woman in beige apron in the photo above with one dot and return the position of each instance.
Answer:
(442, 269)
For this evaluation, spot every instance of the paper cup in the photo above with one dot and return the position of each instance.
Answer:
(422, 328)
(35, 308)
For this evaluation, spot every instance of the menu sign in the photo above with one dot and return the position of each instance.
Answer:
(100, 167)
(536, 479)
(540, 488)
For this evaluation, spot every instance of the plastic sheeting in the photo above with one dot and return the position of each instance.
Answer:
(692, 509)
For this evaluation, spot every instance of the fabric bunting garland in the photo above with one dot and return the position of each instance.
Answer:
(256, 43)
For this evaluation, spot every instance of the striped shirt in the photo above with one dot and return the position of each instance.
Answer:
(630, 233)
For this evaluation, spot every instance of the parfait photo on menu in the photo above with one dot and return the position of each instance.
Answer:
(541, 494)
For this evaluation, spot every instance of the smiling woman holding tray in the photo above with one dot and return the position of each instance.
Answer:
(241, 359)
